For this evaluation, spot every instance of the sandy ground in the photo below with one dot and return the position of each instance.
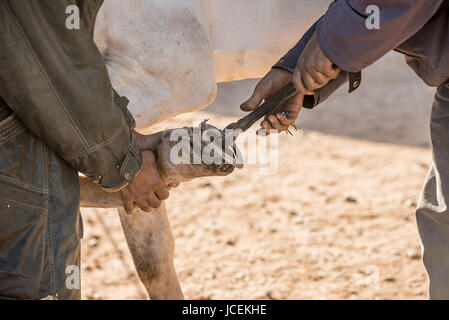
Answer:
(335, 222)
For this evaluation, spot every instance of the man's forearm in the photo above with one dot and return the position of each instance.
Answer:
(345, 39)
(64, 96)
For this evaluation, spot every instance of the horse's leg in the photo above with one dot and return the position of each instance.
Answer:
(151, 244)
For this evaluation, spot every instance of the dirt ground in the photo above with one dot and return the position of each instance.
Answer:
(335, 222)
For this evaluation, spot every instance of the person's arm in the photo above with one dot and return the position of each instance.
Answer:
(339, 41)
(344, 37)
(55, 81)
(336, 77)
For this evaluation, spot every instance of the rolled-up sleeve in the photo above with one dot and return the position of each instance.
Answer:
(347, 41)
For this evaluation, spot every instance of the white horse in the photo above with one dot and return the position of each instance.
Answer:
(166, 56)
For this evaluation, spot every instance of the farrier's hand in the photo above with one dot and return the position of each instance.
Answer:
(148, 189)
(269, 85)
(147, 142)
(313, 69)
(150, 142)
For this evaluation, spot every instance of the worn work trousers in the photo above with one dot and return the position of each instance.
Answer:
(432, 214)
(40, 227)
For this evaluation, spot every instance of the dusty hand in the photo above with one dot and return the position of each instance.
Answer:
(269, 85)
(148, 189)
(147, 142)
(313, 69)
(150, 142)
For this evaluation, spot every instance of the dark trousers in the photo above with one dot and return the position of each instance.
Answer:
(40, 226)
(432, 214)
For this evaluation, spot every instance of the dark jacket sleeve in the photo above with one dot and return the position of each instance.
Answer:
(345, 39)
(288, 62)
(55, 81)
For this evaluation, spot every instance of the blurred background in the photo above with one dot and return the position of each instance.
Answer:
(335, 222)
